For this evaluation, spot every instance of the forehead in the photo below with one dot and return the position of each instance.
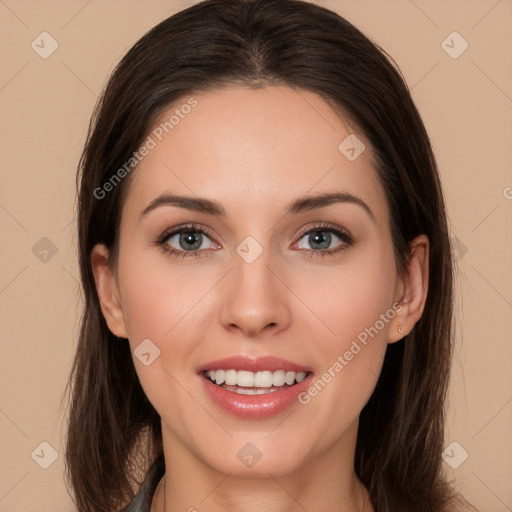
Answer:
(255, 148)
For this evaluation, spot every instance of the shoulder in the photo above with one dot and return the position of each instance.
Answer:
(143, 499)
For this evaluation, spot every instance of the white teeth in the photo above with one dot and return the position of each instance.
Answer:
(245, 379)
(250, 391)
(219, 376)
(278, 378)
(300, 376)
(231, 377)
(289, 378)
(264, 379)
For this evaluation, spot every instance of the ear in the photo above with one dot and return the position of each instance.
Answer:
(108, 292)
(412, 290)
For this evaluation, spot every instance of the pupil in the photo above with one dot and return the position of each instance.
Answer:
(190, 238)
(322, 238)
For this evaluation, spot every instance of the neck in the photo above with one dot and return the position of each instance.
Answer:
(325, 483)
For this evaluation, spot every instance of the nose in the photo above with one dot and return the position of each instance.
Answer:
(254, 301)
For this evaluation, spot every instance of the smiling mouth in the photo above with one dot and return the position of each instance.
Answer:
(254, 383)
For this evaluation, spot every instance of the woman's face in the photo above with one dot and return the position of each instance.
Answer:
(268, 274)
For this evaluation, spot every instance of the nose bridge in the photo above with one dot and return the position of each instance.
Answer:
(254, 300)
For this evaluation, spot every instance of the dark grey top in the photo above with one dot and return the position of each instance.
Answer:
(142, 501)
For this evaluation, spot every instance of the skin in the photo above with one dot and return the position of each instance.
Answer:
(254, 151)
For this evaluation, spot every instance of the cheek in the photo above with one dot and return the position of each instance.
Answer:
(160, 301)
(146, 306)
(346, 299)
(167, 303)
(157, 294)
(352, 307)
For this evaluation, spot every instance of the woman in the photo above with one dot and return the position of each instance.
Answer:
(267, 275)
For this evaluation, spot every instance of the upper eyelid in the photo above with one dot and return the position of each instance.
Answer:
(183, 228)
(322, 226)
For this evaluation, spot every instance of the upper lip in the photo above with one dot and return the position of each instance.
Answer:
(254, 364)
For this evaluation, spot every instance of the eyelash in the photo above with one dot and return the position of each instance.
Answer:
(343, 235)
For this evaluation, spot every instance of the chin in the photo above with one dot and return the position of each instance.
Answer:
(254, 456)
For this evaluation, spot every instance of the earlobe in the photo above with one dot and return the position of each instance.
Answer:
(412, 294)
(108, 292)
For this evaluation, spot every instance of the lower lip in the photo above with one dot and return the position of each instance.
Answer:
(255, 406)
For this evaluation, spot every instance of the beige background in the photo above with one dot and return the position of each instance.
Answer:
(466, 104)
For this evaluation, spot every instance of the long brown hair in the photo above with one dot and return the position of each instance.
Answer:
(114, 433)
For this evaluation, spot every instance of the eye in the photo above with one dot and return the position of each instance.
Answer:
(193, 240)
(320, 239)
(186, 241)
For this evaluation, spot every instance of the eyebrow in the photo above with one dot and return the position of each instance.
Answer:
(298, 205)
